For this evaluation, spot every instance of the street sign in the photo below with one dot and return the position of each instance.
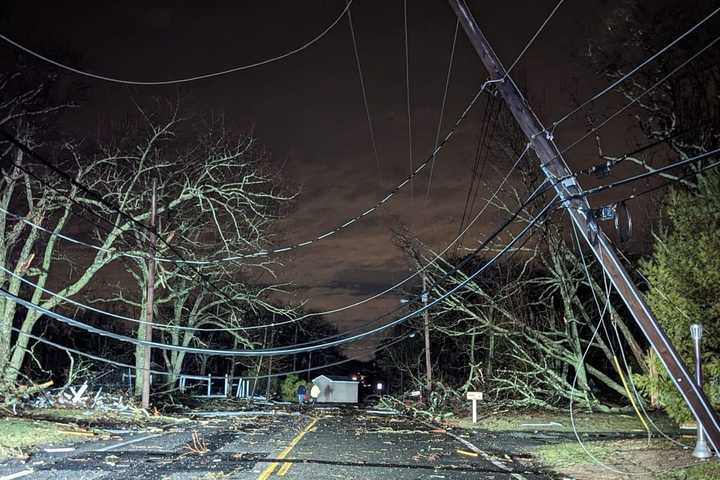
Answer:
(474, 397)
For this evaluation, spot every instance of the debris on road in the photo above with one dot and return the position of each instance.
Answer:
(197, 446)
(82, 397)
(466, 453)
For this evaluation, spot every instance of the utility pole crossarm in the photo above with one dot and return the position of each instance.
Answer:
(578, 208)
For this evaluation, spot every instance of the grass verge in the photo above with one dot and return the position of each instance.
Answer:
(19, 435)
(703, 471)
(560, 422)
(563, 455)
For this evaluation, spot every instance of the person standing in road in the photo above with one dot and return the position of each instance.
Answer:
(314, 393)
(301, 393)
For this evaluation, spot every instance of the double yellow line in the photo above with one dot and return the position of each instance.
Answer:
(286, 465)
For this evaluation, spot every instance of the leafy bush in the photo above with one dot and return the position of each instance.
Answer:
(289, 387)
(684, 277)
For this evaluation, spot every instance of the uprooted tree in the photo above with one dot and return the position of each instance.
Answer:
(519, 331)
(522, 327)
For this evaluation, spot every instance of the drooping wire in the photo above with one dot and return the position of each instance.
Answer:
(311, 314)
(442, 106)
(633, 196)
(192, 264)
(161, 372)
(340, 227)
(571, 402)
(581, 254)
(482, 153)
(274, 324)
(106, 78)
(287, 351)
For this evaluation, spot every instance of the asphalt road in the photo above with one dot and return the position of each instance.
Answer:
(318, 444)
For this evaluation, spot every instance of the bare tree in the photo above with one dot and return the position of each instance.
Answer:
(217, 199)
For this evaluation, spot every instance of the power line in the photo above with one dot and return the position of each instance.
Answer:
(641, 176)
(636, 99)
(340, 227)
(574, 382)
(635, 69)
(482, 140)
(274, 324)
(302, 317)
(586, 351)
(407, 94)
(161, 372)
(604, 168)
(160, 326)
(515, 62)
(442, 105)
(99, 198)
(550, 136)
(365, 99)
(447, 137)
(532, 39)
(179, 80)
(492, 110)
(287, 351)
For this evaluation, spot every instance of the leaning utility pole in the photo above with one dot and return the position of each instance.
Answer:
(149, 306)
(576, 204)
(426, 318)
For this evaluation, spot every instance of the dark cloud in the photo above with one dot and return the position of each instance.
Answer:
(308, 110)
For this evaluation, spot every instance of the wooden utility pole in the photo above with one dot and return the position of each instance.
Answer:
(426, 319)
(150, 299)
(309, 365)
(270, 362)
(295, 343)
(579, 210)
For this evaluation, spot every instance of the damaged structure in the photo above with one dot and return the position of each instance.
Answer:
(337, 389)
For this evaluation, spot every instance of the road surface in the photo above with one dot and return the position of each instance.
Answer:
(317, 444)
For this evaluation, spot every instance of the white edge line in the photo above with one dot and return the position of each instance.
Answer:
(122, 444)
(19, 474)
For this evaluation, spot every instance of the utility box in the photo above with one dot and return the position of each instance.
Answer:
(337, 389)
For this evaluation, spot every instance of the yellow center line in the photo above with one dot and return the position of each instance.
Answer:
(271, 468)
(284, 469)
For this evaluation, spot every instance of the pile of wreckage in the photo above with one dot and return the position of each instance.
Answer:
(82, 397)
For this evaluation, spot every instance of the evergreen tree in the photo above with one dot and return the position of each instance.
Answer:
(684, 277)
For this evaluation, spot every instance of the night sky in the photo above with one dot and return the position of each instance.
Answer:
(308, 111)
